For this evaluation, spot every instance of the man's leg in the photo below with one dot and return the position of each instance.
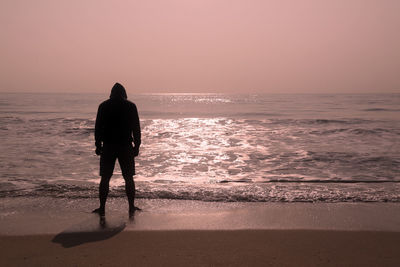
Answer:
(130, 192)
(103, 192)
(107, 163)
(127, 163)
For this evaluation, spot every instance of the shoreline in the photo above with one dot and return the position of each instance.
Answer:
(30, 216)
(54, 231)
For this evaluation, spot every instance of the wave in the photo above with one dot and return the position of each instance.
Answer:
(50, 126)
(31, 112)
(256, 114)
(238, 117)
(79, 131)
(86, 125)
(274, 191)
(380, 109)
(356, 131)
(333, 181)
(374, 131)
(322, 122)
(353, 158)
(325, 121)
(335, 121)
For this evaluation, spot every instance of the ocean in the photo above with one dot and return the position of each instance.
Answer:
(210, 147)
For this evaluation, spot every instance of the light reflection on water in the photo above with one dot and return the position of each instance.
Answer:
(210, 141)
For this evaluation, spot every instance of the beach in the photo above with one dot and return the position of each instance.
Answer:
(59, 231)
(247, 133)
(223, 180)
(210, 248)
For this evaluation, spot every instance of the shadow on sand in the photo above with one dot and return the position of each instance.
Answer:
(89, 231)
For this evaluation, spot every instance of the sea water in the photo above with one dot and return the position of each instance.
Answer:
(210, 147)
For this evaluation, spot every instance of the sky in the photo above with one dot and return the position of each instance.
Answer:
(203, 46)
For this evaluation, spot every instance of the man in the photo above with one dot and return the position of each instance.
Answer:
(117, 126)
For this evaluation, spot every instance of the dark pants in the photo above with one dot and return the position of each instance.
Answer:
(125, 155)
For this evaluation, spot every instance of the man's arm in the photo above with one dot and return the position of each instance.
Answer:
(137, 138)
(98, 130)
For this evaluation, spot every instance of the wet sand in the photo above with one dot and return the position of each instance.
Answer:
(209, 248)
(57, 231)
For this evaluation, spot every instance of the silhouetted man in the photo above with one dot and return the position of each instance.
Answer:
(117, 126)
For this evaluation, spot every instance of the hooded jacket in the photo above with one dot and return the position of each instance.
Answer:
(117, 120)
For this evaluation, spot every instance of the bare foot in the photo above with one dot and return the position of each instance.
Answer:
(99, 211)
(132, 210)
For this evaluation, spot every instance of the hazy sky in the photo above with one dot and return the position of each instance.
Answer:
(308, 46)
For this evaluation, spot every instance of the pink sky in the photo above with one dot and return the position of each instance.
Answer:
(299, 46)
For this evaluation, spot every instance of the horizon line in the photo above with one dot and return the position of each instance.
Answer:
(204, 93)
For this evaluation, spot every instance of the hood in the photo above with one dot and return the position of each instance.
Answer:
(118, 92)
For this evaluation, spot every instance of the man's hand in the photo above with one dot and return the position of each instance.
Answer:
(99, 150)
(135, 151)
